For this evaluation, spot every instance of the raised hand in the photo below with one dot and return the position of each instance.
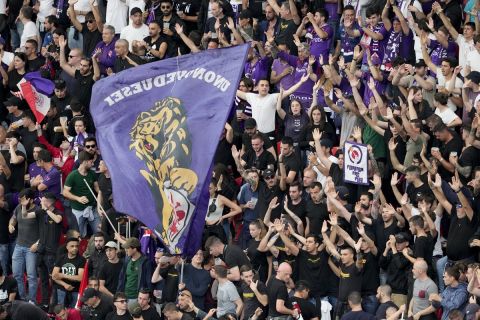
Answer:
(273, 203)
(394, 180)
(392, 145)
(317, 135)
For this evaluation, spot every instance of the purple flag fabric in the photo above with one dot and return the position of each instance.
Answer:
(42, 85)
(158, 126)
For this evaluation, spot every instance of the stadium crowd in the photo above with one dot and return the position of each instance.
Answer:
(285, 236)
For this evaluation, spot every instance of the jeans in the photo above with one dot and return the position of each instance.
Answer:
(82, 221)
(24, 259)
(45, 264)
(4, 257)
(72, 43)
(16, 35)
(68, 299)
(441, 264)
(370, 304)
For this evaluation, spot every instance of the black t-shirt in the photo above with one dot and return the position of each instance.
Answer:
(124, 64)
(460, 232)
(316, 214)
(8, 287)
(415, 192)
(382, 309)
(454, 145)
(35, 64)
(233, 256)
(155, 45)
(350, 280)
(101, 311)
(277, 290)
(286, 30)
(114, 316)
(85, 87)
(470, 157)
(307, 308)
(49, 231)
(370, 278)
(382, 234)
(170, 287)
(358, 315)
(16, 180)
(4, 219)
(28, 139)
(110, 272)
(311, 268)
(90, 40)
(150, 314)
(292, 163)
(265, 195)
(190, 8)
(250, 300)
(210, 26)
(70, 267)
(258, 259)
(105, 186)
(423, 248)
(13, 79)
(300, 209)
(260, 162)
(247, 141)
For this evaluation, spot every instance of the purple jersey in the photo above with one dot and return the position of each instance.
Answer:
(347, 42)
(257, 71)
(286, 82)
(398, 44)
(319, 46)
(439, 52)
(106, 59)
(379, 85)
(376, 46)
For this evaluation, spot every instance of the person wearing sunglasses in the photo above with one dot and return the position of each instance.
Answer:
(90, 29)
(121, 312)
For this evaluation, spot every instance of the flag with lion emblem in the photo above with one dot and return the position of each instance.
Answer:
(158, 126)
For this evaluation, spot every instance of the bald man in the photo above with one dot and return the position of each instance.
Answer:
(125, 59)
(278, 305)
(423, 287)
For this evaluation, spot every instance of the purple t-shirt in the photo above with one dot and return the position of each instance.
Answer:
(258, 71)
(52, 180)
(439, 52)
(332, 9)
(286, 82)
(376, 46)
(379, 85)
(34, 170)
(319, 46)
(347, 42)
(300, 70)
(107, 57)
(397, 44)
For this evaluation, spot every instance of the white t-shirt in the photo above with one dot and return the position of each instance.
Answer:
(320, 177)
(130, 33)
(117, 13)
(447, 115)
(465, 47)
(3, 6)
(29, 31)
(82, 5)
(263, 110)
(135, 4)
(45, 9)
(473, 59)
(442, 83)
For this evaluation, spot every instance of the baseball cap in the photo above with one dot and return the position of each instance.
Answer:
(471, 310)
(131, 243)
(250, 123)
(343, 192)
(268, 173)
(134, 309)
(135, 10)
(111, 244)
(89, 293)
(401, 237)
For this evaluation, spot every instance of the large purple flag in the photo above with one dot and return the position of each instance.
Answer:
(158, 126)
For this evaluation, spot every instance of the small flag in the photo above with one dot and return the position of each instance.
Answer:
(36, 91)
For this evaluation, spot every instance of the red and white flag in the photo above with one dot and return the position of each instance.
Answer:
(38, 102)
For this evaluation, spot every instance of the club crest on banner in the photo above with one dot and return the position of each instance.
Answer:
(356, 163)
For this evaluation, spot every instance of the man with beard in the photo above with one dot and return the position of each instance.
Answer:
(136, 30)
(125, 59)
(270, 24)
(250, 131)
(295, 206)
(91, 29)
(257, 157)
(155, 44)
(167, 22)
(98, 257)
(254, 292)
(316, 210)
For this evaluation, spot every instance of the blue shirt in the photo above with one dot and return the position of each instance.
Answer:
(246, 194)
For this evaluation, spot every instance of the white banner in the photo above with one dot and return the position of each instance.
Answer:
(355, 167)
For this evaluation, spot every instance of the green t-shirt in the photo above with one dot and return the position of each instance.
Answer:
(131, 283)
(78, 188)
(372, 138)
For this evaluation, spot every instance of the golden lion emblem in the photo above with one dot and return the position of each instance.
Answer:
(160, 138)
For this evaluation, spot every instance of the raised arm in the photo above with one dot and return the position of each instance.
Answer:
(62, 42)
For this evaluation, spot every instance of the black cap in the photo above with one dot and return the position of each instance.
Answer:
(89, 293)
(401, 237)
(250, 123)
(268, 173)
(13, 101)
(474, 76)
(60, 84)
(135, 10)
(343, 192)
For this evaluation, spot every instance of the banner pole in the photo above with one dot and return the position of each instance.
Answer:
(100, 206)
(181, 271)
